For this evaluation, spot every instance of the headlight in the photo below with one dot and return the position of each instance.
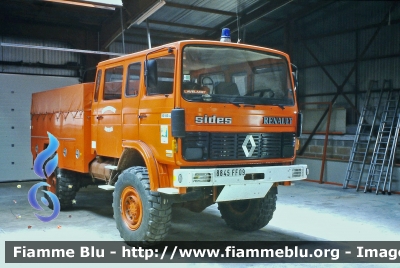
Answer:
(195, 146)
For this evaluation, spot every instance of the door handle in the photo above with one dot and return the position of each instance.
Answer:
(99, 117)
(141, 116)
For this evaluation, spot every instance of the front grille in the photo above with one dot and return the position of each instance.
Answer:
(232, 146)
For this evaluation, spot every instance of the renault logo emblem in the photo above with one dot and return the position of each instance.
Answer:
(249, 138)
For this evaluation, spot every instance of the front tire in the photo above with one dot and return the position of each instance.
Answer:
(249, 214)
(140, 216)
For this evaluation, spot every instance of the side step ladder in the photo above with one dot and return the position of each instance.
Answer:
(380, 169)
(359, 151)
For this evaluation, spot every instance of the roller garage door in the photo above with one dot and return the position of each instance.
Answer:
(15, 101)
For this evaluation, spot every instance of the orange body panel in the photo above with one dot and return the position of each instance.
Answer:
(65, 113)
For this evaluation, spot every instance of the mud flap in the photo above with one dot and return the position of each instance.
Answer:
(244, 191)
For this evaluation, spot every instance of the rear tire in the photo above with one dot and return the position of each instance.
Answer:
(64, 185)
(249, 214)
(140, 216)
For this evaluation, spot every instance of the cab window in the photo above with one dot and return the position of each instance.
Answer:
(240, 79)
(97, 86)
(113, 83)
(165, 74)
(133, 80)
(211, 80)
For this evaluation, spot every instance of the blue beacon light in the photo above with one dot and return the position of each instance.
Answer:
(225, 35)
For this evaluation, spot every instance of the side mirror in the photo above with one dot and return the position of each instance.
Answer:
(295, 73)
(178, 123)
(151, 74)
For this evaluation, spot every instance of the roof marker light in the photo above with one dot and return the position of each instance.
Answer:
(225, 35)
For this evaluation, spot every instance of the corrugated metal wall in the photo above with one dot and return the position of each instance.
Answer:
(381, 61)
(327, 45)
(205, 19)
(338, 52)
(336, 36)
(29, 56)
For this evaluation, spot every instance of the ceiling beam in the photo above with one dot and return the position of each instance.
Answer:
(27, 29)
(51, 14)
(341, 32)
(302, 4)
(61, 49)
(111, 28)
(67, 66)
(142, 32)
(173, 24)
(300, 14)
(269, 20)
(154, 43)
(202, 9)
(257, 14)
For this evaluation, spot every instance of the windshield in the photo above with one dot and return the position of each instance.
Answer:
(235, 75)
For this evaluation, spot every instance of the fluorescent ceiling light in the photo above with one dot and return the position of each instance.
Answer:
(104, 4)
(149, 12)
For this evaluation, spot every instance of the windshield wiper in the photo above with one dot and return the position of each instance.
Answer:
(237, 104)
(279, 105)
(249, 105)
(209, 98)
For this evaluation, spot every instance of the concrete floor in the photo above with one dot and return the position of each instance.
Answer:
(306, 211)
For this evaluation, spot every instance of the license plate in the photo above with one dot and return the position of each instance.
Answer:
(230, 172)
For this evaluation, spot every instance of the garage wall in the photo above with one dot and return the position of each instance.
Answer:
(344, 37)
(15, 102)
(359, 36)
(335, 172)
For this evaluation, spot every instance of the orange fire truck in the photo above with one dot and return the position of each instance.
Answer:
(193, 122)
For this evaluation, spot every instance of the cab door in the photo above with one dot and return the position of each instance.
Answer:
(107, 114)
(155, 108)
(94, 110)
(130, 129)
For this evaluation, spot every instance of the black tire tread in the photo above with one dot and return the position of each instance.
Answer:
(65, 193)
(261, 212)
(159, 215)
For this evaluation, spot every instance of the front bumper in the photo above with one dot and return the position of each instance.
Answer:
(240, 182)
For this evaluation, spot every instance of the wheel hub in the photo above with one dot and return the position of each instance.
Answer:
(131, 208)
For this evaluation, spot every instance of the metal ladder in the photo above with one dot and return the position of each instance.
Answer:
(359, 151)
(380, 168)
(388, 180)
